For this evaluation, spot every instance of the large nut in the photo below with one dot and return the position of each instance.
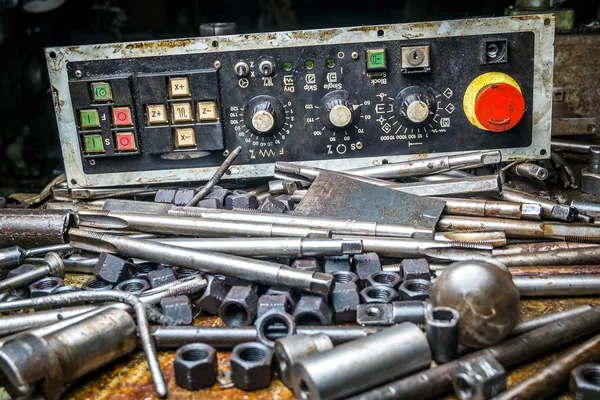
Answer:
(268, 302)
(564, 213)
(195, 366)
(415, 268)
(378, 294)
(383, 278)
(182, 272)
(312, 311)
(241, 200)
(96, 284)
(161, 277)
(113, 269)
(344, 277)
(345, 301)
(239, 306)
(306, 264)
(177, 310)
(183, 196)
(45, 286)
(212, 298)
(590, 181)
(336, 263)
(289, 350)
(286, 199)
(165, 196)
(272, 205)
(414, 289)
(274, 321)
(251, 366)
(291, 295)
(133, 286)
(219, 195)
(585, 382)
(480, 378)
(142, 269)
(365, 264)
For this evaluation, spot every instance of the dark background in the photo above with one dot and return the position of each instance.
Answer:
(29, 148)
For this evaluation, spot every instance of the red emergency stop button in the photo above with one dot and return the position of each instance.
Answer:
(494, 102)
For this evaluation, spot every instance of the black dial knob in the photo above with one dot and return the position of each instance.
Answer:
(338, 112)
(416, 105)
(264, 115)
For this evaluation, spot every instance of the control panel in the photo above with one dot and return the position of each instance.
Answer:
(171, 111)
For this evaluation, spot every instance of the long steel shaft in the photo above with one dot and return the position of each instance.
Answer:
(558, 285)
(230, 265)
(535, 323)
(586, 255)
(485, 208)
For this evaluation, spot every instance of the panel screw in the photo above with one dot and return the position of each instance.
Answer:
(354, 55)
(217, 64)
(359, 145)
(225, 153)
(375, 162)
(78, 73)
(92, 162)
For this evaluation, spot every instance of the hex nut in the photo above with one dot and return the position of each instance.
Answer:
(177, 310)
(336, 263)
(241, 200)
(96, 284)
(133, 286)
(113, 269)
(415, 268)
(142, 269)
(414, 289)
(45, 286)
(585, 382)
(274, 320)
(344, 277)
(480, 378)
(182, 272)
(195, 366)
(161, 277)
(590, 181)
(165, 196)
(22, 269)
(268, 302)
(365, 264)
(306, 264)
(66, 289)
(209, 203)
(213, 296)
(251, 366)
(383, 278)
(239, 306)
(312, 311)
(183, 196)
(291, 295)
(219, 195)
(272, 205)
(345, 301)
(378, 294)
(286, 199)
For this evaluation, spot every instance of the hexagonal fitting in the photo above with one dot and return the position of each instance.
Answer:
(383, 278)
(213, 296)
(113, 269)
(336, 263)
(590, 181)
(195, 366)
(142, 269)
(161, 277)
(312, 311)
(45, 286)
(277, 320)
(133, 286)
(268, 302)
(286, 199)
(378, 294)
(66, 289)
(365, 264)
(182, 272)
(585, 382)
(239, 306)
(479, 378)
(219, 195)
(241, 200)
(344, 277)
(414, 289)
(531, 211)
(345, 301)
(292, 296)
(415, 268)
(96, 284)
(183, 196)
(564, 213)
(251, 366)
(177, 310)
(306, 264)
(272, 205)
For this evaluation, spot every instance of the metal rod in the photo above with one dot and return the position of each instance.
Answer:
(436, 381)
(34, 228)
(11, 324)
(586, 206)
(204, 190)
(550, 209)
(571, 146)
(558, 285)
(530, 170)
(539, 247)
(485, 208)
(229, 265)
(398, 248)
(586, 255)
(495, 238)
(535, 323)
(555, 270)
(52, 265)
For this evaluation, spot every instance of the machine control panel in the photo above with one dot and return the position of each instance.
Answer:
(170, 111)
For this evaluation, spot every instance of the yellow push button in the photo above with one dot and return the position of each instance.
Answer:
(90, 119)
(185, 138)
(93, 144)
(156, 114)
(179, 87)
(182, 113)
(207, 111)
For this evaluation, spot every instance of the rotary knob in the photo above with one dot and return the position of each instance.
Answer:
(264, 115)
(416, 105)
(338, 112)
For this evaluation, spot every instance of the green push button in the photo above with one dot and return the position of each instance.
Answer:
(93, 144)
(376, 60)
(101, 92)
(89, 119)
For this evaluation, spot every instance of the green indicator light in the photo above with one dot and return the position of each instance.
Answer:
(101, 92)
(376, 60)
(330, 63)
(309, 64)
(287, 66)
(93, 144)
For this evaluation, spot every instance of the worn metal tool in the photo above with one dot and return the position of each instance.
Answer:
(571, 146)
(555, 270)
(590, 175)
(586, 206)
(53, 265)
(15, 255)
(578, 256)
(558, 285)
(530, 170)
(539, 247)
(29, 228)
(11, 324)
(428, 166)
(413, 248)
(564, 173)
(441, 328)
(229, 265)
(494, 238)
(550, 209)
(485, 208)
(437, 381)
(527, 326)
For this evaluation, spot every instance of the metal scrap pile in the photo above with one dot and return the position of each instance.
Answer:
(395, 281)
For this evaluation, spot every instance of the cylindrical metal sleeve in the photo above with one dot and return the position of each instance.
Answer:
(579, 256)
(11, 257)
(34, 228)
(359, 365)
(540, 247)
(408, 311)
(441, 328)
(94, 342)
(10, 324)
(558, 286)
(288, 350)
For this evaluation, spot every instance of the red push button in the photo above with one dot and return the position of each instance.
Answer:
(125, 141)
(122, 116)
(499, 107)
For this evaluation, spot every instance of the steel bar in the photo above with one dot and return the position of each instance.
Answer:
(203, 191)
(485, 208)
(52, 265)
(554, 376)
(436, 381)
(550, 209)
(556, 270)
(539, 247)
(29, 228)
(573, 126)
(580, 256)
(495, 238)
(271, 247)
(172, 337)
(11, 257)
(104, 295)
(193, 226)
(400, 248)
(558, 285)
(524, 229)
(530, 170)
(229, 265)
(571, 146)
(76, 263)
(428, 166)
(11, 324)
(586, 206)
(337, 226)
(535, 323)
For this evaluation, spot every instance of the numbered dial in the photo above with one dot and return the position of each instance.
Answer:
(337, 111)
(264, 115)
(416, 106)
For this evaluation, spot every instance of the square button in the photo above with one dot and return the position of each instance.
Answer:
(184, 138)
(376, 60)
(101, 92)
(93, 144)
(122, 116)
(207, 111)
(90, 118)
(125, 141)
(182, 113)
(179, 87)
(156, 114)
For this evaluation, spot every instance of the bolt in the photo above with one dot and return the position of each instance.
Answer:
(53, 265)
